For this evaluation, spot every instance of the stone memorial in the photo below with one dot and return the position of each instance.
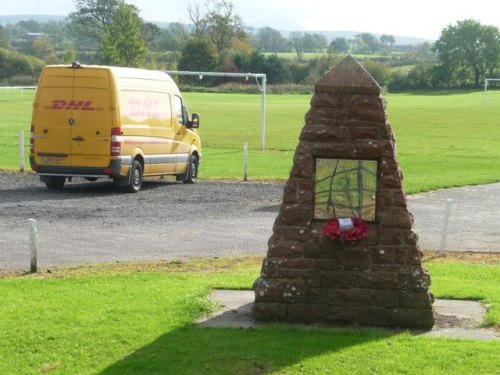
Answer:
(343, 250)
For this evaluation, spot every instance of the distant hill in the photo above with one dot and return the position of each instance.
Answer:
(330, 35)
(11, 19)
(400, 40)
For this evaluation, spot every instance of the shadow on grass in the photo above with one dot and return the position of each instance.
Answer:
(194, 350)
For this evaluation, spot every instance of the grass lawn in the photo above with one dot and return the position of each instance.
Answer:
(138, 319)
(444, 139)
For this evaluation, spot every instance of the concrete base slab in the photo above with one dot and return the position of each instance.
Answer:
(454, 318)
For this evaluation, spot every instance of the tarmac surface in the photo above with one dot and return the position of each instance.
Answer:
(93, 223)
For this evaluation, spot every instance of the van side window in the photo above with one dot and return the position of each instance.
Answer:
(179, 110)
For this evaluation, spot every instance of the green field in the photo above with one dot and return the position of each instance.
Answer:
(444, 139)
(138, 319)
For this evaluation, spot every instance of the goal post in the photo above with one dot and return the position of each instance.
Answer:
(487, 81)
(262, 88)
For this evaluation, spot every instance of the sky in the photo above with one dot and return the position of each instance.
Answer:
(423, 18)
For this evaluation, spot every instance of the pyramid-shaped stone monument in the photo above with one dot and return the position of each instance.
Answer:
(345, 171)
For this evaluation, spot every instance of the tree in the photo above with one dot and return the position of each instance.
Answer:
(387, 40)
(379, 71)
(198, 55)
(3, 40)
(122, 43)
(43, 48)
(219, 24)
(339, 45)
(93, 19)
(297, 39)
(367, 43)
(172, 38)
(270, 40)
(469, 51)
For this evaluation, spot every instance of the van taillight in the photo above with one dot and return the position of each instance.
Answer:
(32, 139)
(116, 142)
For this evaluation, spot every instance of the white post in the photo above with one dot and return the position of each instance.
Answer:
(33, 245)
(21, 151)
(245, 161)
(444, 233)
(263, 115)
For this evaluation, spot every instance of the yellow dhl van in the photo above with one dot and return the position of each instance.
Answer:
(121, 123)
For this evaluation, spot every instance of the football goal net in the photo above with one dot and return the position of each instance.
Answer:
(262, 86)
(490, 82)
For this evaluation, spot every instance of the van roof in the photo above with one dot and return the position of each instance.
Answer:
(122, 74)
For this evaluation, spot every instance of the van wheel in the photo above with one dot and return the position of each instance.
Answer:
(192, 171)
(135, 182)
(54, 183)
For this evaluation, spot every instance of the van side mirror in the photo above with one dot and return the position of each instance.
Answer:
(194, 122)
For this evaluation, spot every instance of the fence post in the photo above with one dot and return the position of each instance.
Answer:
(21, 151)
(33, 245)
(444, 233)
(245, 161)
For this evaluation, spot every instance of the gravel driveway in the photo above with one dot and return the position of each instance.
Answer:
(93, 222)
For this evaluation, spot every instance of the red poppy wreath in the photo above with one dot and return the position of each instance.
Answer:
(345, 229)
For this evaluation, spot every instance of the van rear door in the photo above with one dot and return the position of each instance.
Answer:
(91, 118)
(73, 118)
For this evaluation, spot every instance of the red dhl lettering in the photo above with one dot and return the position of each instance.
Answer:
(144, 108)
(74, 105)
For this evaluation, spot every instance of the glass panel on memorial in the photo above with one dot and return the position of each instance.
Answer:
(345, 188)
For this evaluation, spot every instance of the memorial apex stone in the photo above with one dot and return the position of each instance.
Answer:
(348, 77)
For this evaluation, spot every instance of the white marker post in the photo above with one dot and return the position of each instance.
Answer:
(245, 161)
(21, 151)
(33, 245)
(444, 233)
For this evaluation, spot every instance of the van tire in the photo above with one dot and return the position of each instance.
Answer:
(136, 175)
(192, 170)
(54, 182)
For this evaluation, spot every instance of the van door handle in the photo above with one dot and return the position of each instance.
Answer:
(78, 139)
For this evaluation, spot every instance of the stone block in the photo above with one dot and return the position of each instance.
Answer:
(368, 133)
(411, 317)
(286, 249)
(372, 149)
(327, 101)
(395, 217)
(341, 279)
(372, 316)
(407, 255)
(325, 264)
(290, 233)
(279, 290)
(327, 150)
(299, 190)
(381, 255)
(368, 108)
(385, 298)
(351, 259)
(339, 315)
(269, 311)
(384, 280)
(316, 295)
(295, 214)
(349, 297)
(323, 133)
(303, 166)
(420, 300)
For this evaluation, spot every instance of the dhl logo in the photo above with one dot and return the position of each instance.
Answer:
(73, 105)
